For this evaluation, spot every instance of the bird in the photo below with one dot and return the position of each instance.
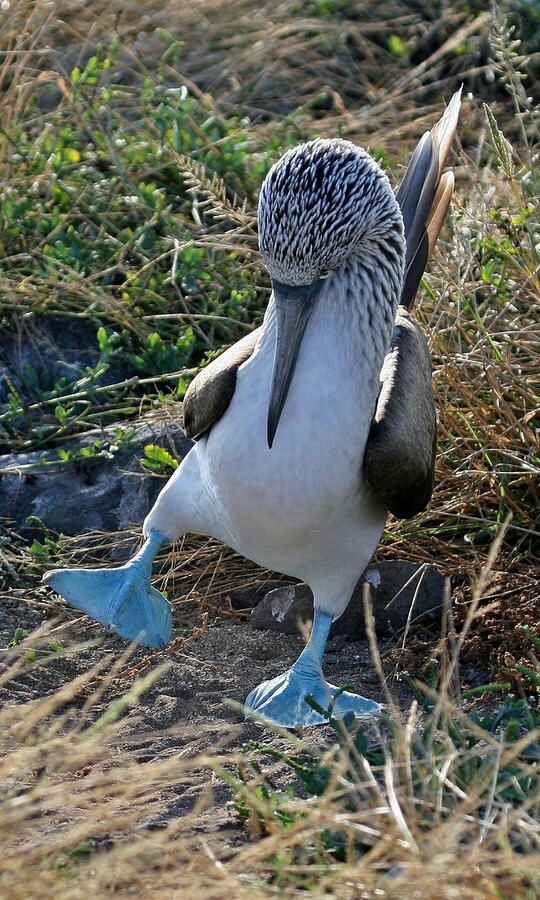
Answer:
(317, 424)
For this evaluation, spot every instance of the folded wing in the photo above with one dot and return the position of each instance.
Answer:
(211, 391)
(399, 461)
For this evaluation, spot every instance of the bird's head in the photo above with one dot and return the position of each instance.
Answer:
(317, 206)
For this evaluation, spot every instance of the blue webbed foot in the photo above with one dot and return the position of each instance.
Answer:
(282, 700)
(121, 599)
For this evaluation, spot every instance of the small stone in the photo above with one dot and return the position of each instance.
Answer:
(249, 597)
(401, 591)
(286, 608)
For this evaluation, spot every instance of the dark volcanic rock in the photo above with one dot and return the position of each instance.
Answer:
(105, 493)
(251, 596)
(36, 351)
(398, 589)
(284, 608)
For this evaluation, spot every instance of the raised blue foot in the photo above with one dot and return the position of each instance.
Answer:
(282, 700)
(121, 599)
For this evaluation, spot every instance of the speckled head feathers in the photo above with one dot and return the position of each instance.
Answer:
(317, 204)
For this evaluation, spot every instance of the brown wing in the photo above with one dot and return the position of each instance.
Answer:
(399, 461)
(211, 391)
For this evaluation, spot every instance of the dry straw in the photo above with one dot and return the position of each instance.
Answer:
(79, 806)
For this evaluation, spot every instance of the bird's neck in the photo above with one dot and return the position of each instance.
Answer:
(364, 294)
(361, 296)
(357, 306)
(348, 332)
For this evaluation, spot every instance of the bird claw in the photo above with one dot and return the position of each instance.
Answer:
(282, 701)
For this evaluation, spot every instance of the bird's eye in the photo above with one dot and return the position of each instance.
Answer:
(325, 275)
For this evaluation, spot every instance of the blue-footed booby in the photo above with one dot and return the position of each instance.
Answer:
(310, 429)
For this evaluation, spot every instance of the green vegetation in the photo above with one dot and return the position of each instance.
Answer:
(158, 460)
(130, 161)
(97, 223)
(474, 751)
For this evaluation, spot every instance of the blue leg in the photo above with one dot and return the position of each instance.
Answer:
(122, 599)
(282, 700)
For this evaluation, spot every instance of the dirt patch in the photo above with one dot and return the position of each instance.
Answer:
(186, 712)
(185, 715)
(208, 667)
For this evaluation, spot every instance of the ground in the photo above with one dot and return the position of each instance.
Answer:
(133, 144)
(186, 713)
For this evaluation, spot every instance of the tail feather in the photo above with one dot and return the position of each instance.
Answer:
(439, 208)
(424, 196)
(414, 179)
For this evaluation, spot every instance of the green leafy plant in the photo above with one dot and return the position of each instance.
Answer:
(99, 449)
(18, 637)
(158, 460)
(46, 551)
(159, 357)
(492, 758)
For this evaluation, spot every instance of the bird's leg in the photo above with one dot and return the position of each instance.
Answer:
(122, 599)
(282, 700)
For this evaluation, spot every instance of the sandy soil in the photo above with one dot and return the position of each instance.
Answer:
(186, 712)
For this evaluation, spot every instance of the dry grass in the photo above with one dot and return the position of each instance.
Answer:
(430, 812)
(75, 793)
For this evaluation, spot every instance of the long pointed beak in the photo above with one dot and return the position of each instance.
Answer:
(293, 309)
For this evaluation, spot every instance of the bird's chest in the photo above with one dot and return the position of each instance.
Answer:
(315, 464)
